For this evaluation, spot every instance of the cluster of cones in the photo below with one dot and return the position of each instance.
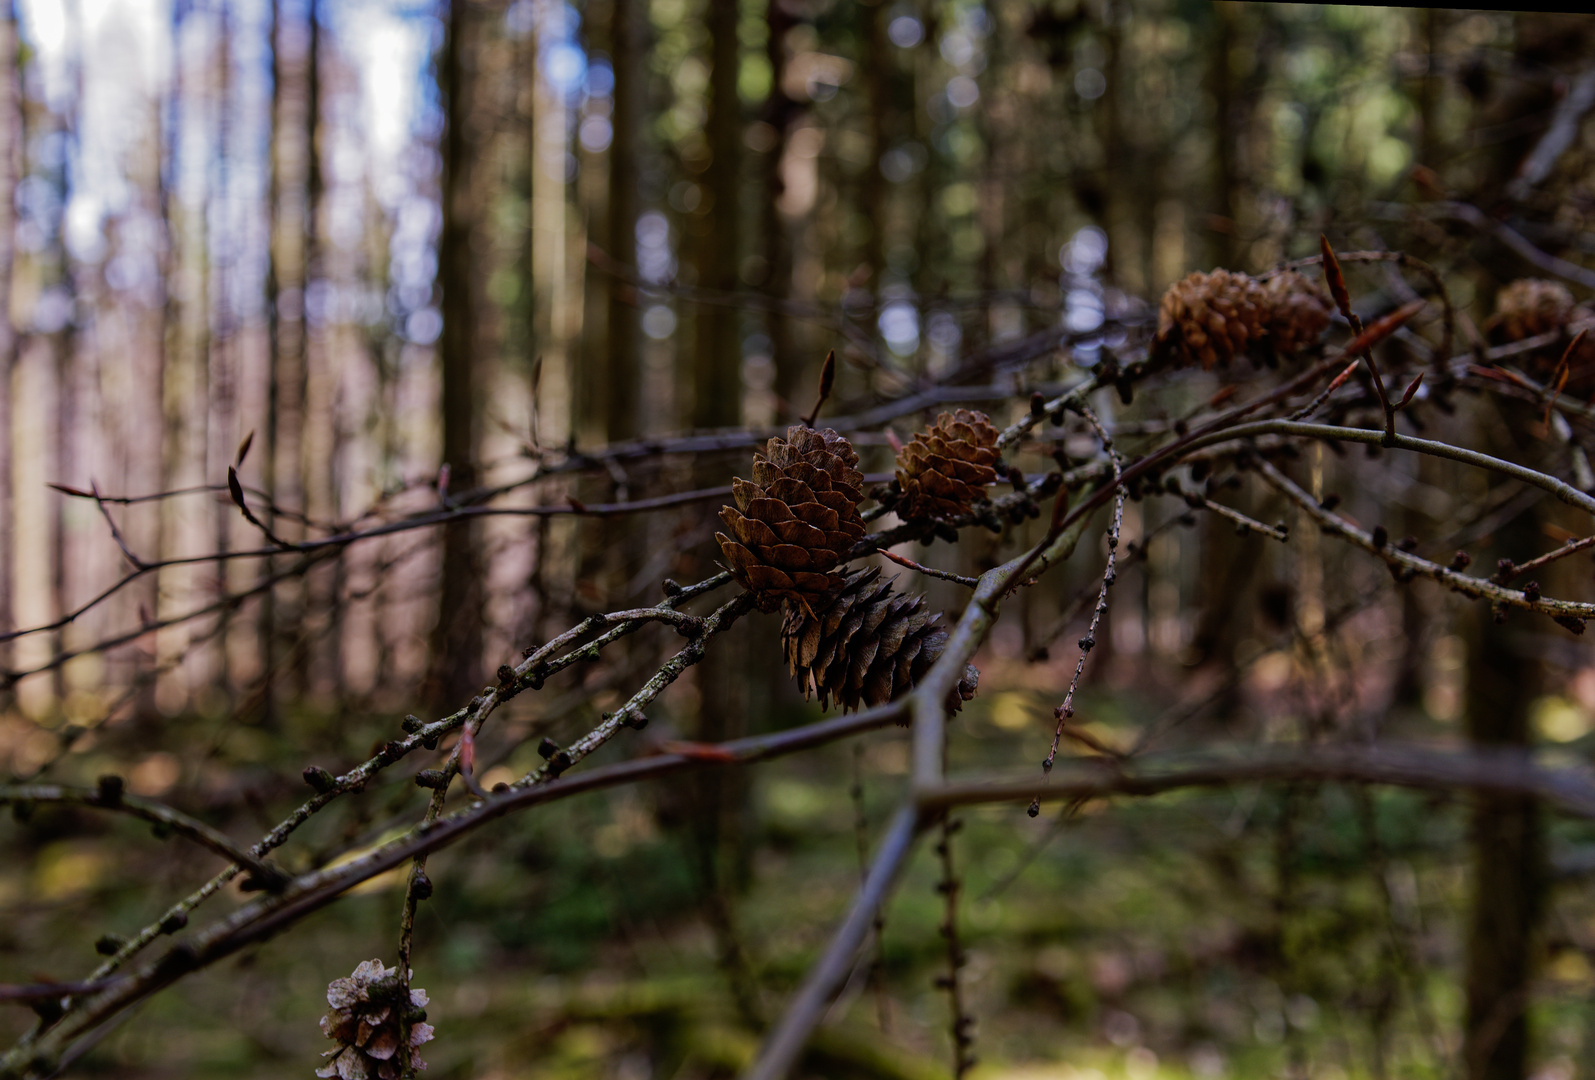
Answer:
(794, 527)
(847, 634)
(1209, 319)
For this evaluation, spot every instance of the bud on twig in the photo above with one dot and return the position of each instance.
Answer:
(110, 790)
(320, 779)
(827, 381)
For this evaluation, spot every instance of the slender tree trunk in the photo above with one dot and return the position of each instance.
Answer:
(1429, 85)
(266, 634)
(1508, 861)
(10, 146)
(313, 668)
(1221, 85)
(720, 799)
(457, 633)
(63, 344)
(623, 367)
(779, 112)
(930, 276)
(878, 88)
(221, 374)
(717, 382)
(1505, 674)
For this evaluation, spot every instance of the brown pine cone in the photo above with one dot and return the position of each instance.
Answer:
(1298, 312)
(945, 468)
(1208, 319)
(367, 1021)
(1530, 307)
(865, 644)
(797, 520)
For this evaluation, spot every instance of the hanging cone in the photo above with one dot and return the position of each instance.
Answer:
(1298, 312)
(945, 468)
(865, 645)
(797, 520)
(366, 1019)
(1208, 319)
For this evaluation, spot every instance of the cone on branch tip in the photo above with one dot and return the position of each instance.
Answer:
(1209, 319)
(797, 520)
(367, 1017)
(865, 644)
(1531, 307)
(945, 468)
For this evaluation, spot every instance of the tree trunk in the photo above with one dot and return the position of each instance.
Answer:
(10, 147)
(779, 112)
(1508, 860)
(720, 800)
(457, 633)
(622, 369)
(717, 373)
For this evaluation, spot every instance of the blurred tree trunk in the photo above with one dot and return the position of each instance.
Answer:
(878, 90)
(457, 633)
(1429, 86)
(930, 237)
(1507, 836)
(717, 371)
(57, 264)
(780, 111)
(609, 380)
(623, 369)
(1221, 85)
(294, 190)
(720, 799)
(266, 633)
(315, 667)
(221, 377)
(10, 147)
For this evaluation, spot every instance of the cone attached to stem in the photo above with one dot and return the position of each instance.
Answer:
(797, 520)
(866, 644)
(1209, 319)
(945, 468)
(1530, 307)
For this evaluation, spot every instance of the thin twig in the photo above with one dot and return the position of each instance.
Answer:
(1065, 710)
(110, 796)
(960, 1022)
(945, 575)
(1467, 585)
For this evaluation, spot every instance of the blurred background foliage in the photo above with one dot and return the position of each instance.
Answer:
(384, 236)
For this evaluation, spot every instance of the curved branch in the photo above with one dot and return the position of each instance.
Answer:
(1467, 585)
(1398, 766)
(110, 796)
